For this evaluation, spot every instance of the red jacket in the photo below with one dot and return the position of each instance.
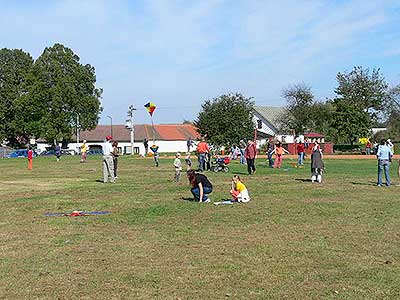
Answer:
(300, 148)
(250, 152)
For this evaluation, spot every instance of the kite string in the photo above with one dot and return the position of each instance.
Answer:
(154, 133)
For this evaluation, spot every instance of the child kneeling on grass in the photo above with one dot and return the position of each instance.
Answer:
(239, 191)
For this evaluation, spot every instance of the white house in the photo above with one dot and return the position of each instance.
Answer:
(168, 137)
(266, 120)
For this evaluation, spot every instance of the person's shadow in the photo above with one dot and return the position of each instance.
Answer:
(188, 199)
(303, 180)
(370, 183)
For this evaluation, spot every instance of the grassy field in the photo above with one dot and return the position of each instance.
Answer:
(294, 240)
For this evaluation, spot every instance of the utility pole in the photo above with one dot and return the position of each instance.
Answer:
(131, 111)
(111, 127)
(77, 131)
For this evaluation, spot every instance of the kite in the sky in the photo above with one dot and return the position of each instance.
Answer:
(151, 107)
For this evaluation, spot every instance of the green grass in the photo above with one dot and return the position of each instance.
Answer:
(294, 240)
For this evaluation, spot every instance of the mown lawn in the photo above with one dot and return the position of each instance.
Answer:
(294, 240)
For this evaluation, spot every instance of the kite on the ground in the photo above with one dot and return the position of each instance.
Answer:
(77, 213)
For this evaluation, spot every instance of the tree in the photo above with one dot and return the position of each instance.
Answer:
(300, 102)
(60, 90)
(226, 120)
(15, 65)
(359, 97)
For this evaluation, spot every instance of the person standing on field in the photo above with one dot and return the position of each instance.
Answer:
(384, 155)
(84, 149)
(30, 157)
(108, 162)
(250, 154)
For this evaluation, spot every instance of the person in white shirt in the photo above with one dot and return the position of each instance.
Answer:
(178, 167)
(108, 163)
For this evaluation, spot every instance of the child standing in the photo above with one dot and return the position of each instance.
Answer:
(30, 157)
(239, 191)
(188, 161)
(178, 167)
(156, 159)
(279, 151)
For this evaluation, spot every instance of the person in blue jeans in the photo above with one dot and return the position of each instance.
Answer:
(201, 186)
(384, 155)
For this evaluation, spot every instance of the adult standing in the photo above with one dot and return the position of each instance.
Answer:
(317, 164)
(250, 154)
(384, 156)
(368, 147)
(270, 152)
(189, 144)
(115, 154)
(146, 146)
(84, 149)
(202, 150)
(57, 152)
(300, 154)
(200, 186)
(242, 146)
(108, 163)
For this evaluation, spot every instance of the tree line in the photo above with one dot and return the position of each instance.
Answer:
(44, 98)
(363, 100)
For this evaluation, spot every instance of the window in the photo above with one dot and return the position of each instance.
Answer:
(259, 124)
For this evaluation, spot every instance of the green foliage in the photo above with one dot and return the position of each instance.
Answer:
(226, 120)
(362, 90)
(44, 98)
(359, 96)
(350, 122)
(300, 104)
(15, 66)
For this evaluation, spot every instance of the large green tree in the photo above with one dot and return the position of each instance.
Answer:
(60, 90)
(360, 95)
(15, 66)
(226, 120)
(299, 107)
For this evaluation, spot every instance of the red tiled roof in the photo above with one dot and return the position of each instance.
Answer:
(313, 135)
(166, 132)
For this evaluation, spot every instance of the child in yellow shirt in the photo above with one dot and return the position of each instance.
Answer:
(239, 191)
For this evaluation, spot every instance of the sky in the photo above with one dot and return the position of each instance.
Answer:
(179, 53)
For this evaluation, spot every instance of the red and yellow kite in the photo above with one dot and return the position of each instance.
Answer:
(151, 107)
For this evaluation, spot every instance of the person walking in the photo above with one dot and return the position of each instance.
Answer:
(108, 163)
(178, 167)
(202, 150)
(57, 152)
(300, 153)
(384, 155)
(317, 164)
(189, 144)
(279, 151)
(250, 154)
(270, 152)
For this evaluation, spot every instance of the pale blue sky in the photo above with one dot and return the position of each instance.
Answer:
(178, 53)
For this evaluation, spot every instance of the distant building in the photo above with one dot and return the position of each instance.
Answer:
(168, 137)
